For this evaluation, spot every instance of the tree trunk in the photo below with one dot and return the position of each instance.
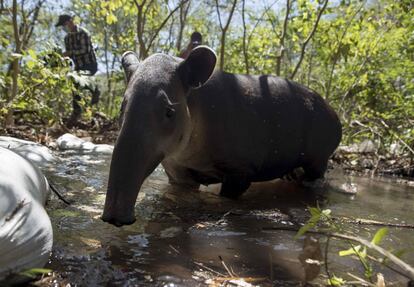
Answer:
(9, 120)
(282, 39)
(224, 31)
(108, 76)
(245, 54)
(183, 21)
(144, 46)
(21, 34)
(110, 86)
(140, 34)
(310, 67)
(222, 49)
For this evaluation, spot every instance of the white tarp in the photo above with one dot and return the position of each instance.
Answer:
(26, 235)
(36, 153)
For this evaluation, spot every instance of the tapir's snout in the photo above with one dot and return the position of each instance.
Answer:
(117, 212)
(118, 221)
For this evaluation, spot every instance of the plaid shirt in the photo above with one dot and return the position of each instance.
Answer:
(78, 45)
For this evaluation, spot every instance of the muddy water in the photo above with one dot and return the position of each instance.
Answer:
(192, 238)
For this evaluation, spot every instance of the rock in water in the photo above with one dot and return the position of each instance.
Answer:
(26, 235)
(71, 142)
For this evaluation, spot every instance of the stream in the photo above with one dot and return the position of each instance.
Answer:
(185, 237)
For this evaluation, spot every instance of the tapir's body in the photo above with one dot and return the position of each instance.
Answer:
(234, 129)
(253, 128)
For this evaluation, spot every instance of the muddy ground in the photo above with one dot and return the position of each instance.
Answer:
(360, 159)
(199, 239)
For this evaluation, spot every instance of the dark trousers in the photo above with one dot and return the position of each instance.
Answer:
(88, 70)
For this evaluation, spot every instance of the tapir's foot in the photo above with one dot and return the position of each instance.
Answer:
(185, 185)
(234, 188)
(315, 170)
(315, 174)
(316, 183)
(298, 175)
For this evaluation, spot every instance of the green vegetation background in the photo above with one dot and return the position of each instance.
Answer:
(359, 55)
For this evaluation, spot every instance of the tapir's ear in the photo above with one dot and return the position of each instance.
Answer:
(130, 63)
(198, 67)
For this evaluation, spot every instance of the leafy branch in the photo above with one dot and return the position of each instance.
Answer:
(305, 43)
(332, 229)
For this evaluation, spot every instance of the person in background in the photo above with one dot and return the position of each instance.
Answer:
(195, 40)
(78, 47)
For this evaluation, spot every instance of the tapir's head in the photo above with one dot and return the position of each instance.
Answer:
(154, 122)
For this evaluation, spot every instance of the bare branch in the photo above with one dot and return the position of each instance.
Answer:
(147, 8)
(336, 57)
(398, 138)
(230, 16)
(305, 43)
(282, 39)
(140, 28)
(224, 31)
(30, 27)
(163, 24)
(218, 14)
(183, 18)
(260, 19)
(15, 26)
(15, 64)
(245, 55)
(406, 268)
(357, 72)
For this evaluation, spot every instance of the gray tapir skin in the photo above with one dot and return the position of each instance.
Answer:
(207, 126)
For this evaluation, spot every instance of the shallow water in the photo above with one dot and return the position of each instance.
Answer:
(185, 237)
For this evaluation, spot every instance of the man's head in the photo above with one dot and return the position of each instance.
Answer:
(196, 38)
(66, 21)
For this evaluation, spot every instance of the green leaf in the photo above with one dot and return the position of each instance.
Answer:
(111, 18)
(350, 251)
(336, 281)
(303, 230)
(358, 250)
(315, 217)
(34, 272)
(82, 80)
(379, 235)
(30, 64)
(314, 211)
(327, 212)
(400, 253)
(32, 54)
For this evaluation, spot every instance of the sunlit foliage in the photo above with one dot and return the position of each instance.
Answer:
(360, 56)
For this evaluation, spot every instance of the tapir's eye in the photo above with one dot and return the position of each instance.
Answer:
(170, 112)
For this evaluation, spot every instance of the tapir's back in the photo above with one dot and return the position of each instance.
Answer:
(257, 122)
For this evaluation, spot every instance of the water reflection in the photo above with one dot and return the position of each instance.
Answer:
(185, 237)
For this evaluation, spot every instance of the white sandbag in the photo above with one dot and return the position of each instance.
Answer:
(71, 142)
(26, 234)
(36, 153)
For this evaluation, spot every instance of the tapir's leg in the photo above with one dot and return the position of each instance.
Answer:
(180, 176)
(296, 174)
(315, 169)
(234, 187)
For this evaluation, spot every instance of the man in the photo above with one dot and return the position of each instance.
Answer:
(195, 40)
(79, 48)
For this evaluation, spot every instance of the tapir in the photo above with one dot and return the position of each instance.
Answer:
(206, 126)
